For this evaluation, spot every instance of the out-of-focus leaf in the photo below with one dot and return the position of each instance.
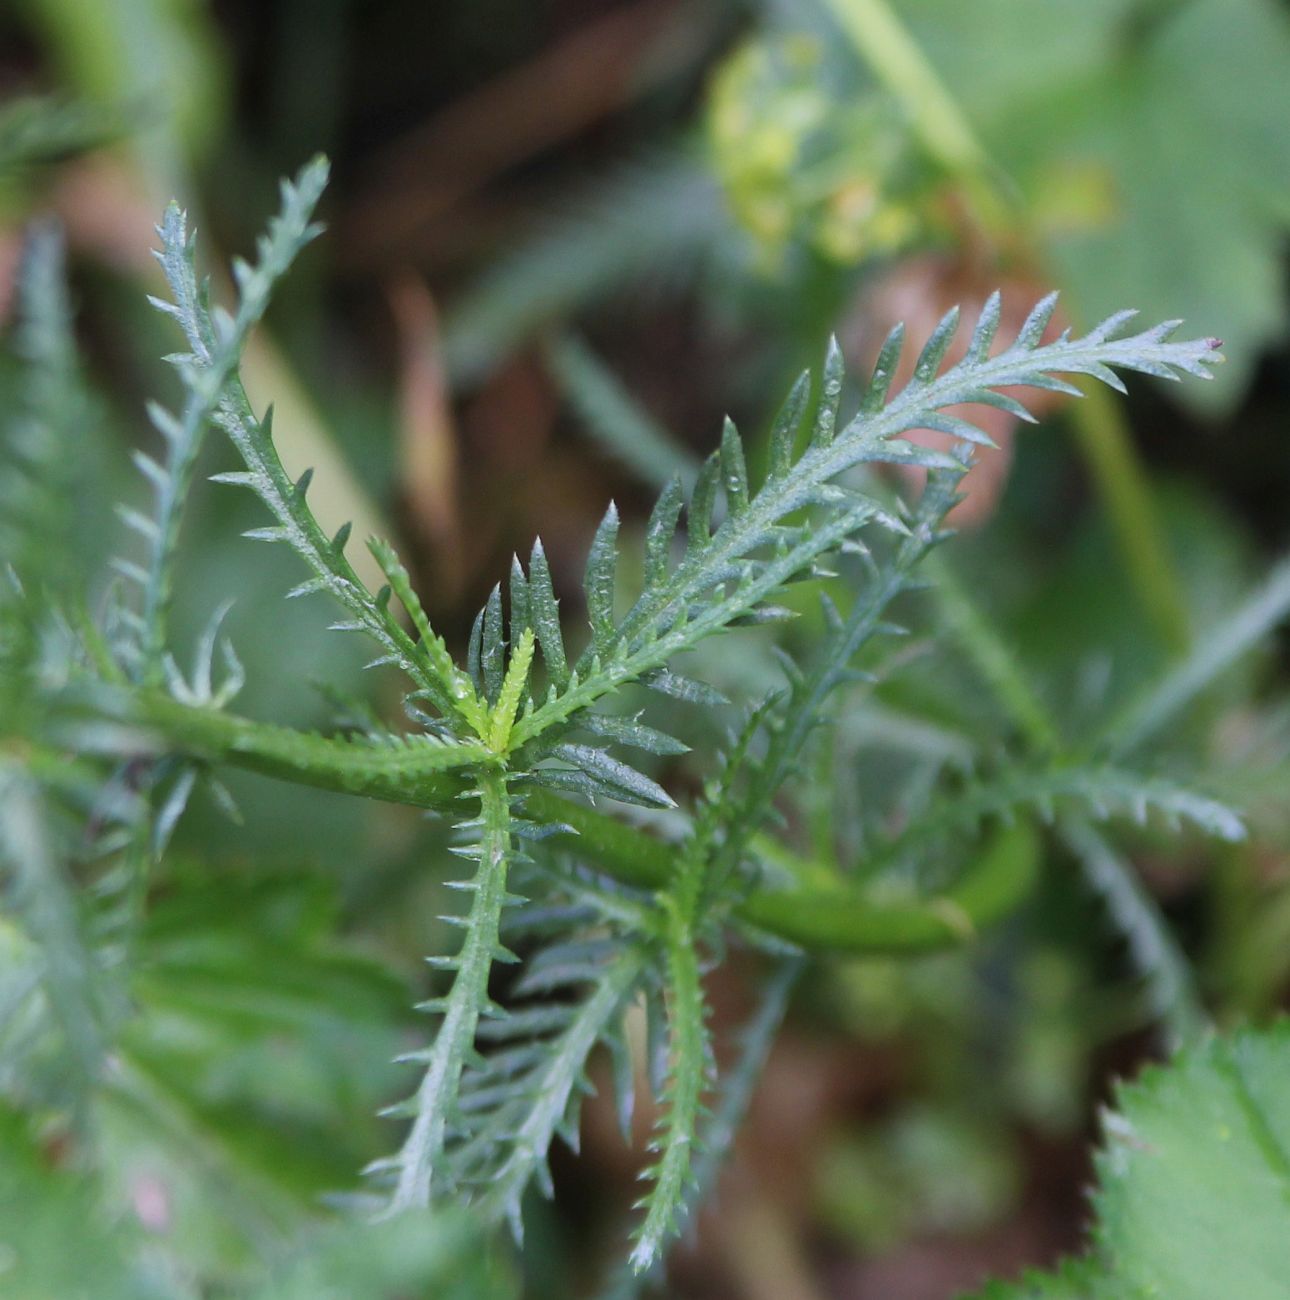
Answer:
(42, 129)
(1176, 117)
(1193, 132)
(252, 1073)
(244, 978)
(652, 220)
(1192, 1179)
(1194, 1173)
(412, 1255)
(162, 55)
(57, 1242)
(1075, 1280)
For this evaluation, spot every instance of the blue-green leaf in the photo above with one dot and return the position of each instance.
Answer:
(545, 612)
(602, 562)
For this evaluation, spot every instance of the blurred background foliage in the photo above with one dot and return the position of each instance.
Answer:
(565, 238)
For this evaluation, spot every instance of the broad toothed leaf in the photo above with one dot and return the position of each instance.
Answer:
(1191, 1177)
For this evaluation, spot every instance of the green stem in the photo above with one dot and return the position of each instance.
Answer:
(887, 47)
(436, 1098)
(845, 921)
(1000, 669)
(417, 771)
(688, 1079)
(1234, 634)
(885, 44)
(838, 919)
(421, 774)
(1162, 964)
(1107, 446)
(718, 1134)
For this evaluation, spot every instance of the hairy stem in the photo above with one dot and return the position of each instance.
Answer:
(1107, 446)
(1152, 946)
(689, 1075)
(419, 770)
(436, 1098)
(838, 919)
(718, 1134)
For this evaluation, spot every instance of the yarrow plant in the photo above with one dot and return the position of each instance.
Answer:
(538, 748)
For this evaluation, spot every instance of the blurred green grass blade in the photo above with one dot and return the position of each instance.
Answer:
(653, 219)
(618, 423)
(1230, 638)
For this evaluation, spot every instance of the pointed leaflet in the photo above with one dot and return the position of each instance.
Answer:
(933, 353)
(602, 560)
(631, 731)
(474, 654)
(1033, 327)
(519, 594)
(683, 688)
(826, 416)
(1113, 325)
(661, 529)
(987, 326)
(606, 775)
(884, 372)
(492, 654)
(734, 472)
(788, 423)
(699, 522)
(545, 612)
(964, 430)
